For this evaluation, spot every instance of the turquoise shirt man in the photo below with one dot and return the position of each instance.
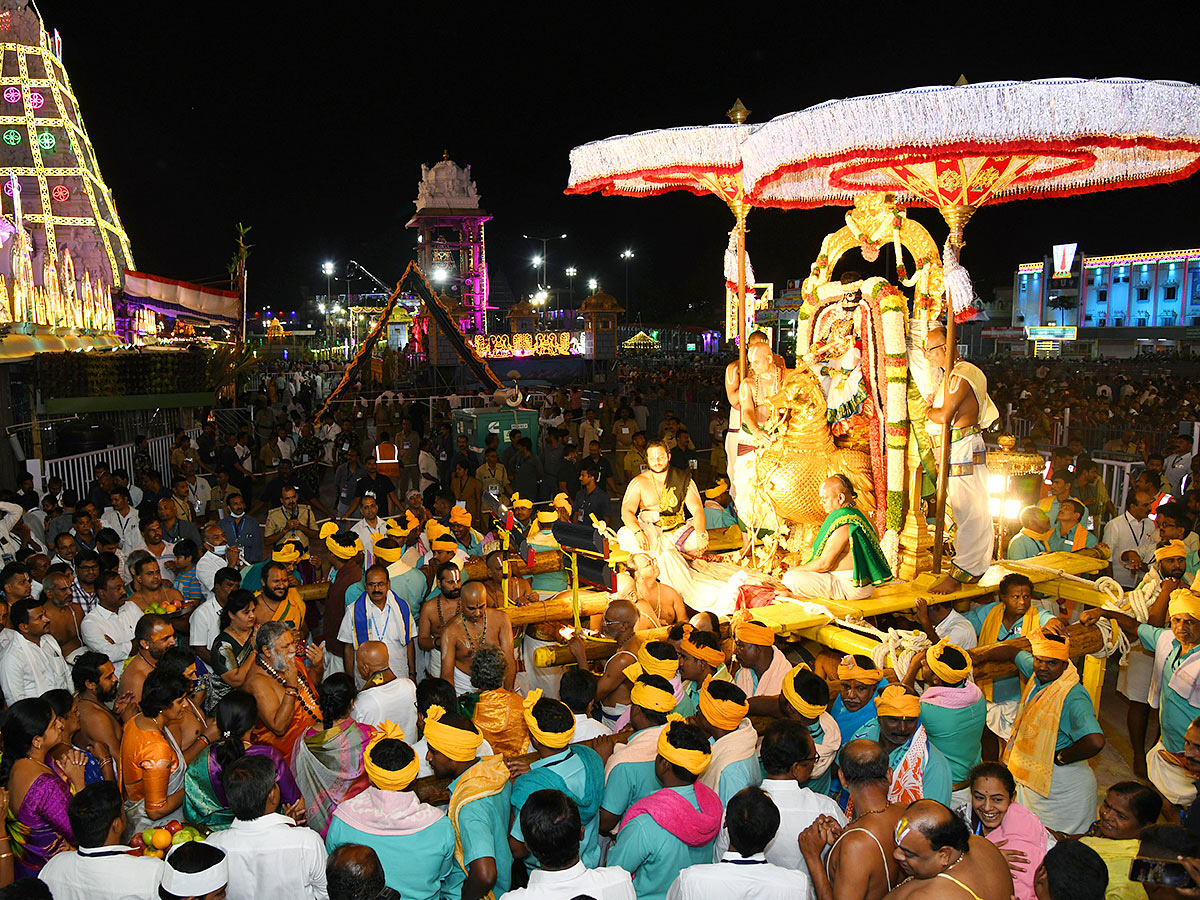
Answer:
(483, 827)
(1003, 689)
(1022, 546)
(935, 776)
(691, 694)
(418, 865)
(821, 783)
(851, 723)
(1078, 718)
(629, 782)
(1174, 712)
(578, 773)
(956, 733)
(1066, 543)
(719, 517)
(737, 775)
(653, 854)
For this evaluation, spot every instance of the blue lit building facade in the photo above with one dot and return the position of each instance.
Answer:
(1123, 305)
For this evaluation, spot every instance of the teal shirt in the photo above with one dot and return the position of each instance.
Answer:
(571, 771)
(411, 587)
(935, 779)
(742, 774)
(1193, 565)
(691, 694)
(419, 866)
(957, 734)
(1175, 714)
(718, 517)
(483, 827)
(1003, 689)
(627, 783)
(654, 855)
(1078, 718)
(1057, 542)
(1022, 546)
(821, 783)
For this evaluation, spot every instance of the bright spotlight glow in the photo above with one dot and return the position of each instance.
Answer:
(439, 275)
(593, 284)
(537, 261)
(572, 271)
(327, 268)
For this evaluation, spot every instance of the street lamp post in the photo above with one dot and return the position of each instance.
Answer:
(593, 284)
(627, 255)
(571, 273)
(541, 260)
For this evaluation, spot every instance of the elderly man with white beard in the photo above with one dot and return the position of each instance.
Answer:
(283, 687)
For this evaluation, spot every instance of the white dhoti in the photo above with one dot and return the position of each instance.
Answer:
(825, 585)
(1071, 806)
(1174, 782)
(546, 678)
(967, 497)
(700, 592)
(1134, 680)
(434, 664)
(1000, 718)
(463, 683)
(741, 467)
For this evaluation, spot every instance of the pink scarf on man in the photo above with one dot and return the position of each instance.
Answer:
(642, 747)
(953, 697)
(675, 814)
(387, 812)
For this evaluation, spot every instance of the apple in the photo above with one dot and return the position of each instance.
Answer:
(181, 837)
(138, 840)
(148, 837)
(174, 826)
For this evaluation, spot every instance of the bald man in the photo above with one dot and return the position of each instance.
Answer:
(612, 693)
(944, 861)
(473, 628)
(385, 696)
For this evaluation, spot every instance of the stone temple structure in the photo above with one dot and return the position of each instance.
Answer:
(65, 206)
(451, 248)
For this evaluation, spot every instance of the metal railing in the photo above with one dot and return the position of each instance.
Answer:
(76, 471)
(1117, 475)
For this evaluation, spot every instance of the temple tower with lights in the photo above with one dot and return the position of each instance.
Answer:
(451, 247)
(64, 207)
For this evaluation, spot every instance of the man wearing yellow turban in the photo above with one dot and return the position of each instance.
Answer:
(918, 768)
(574, 769)
(674, 827)
(854, 707)
(629, 772)
(762, 665)
(413, 840)
(1174, 682)
(1054, 735)
(700, 658)
(470, 540)
(805, 699)
(723, 717)
(480, 808)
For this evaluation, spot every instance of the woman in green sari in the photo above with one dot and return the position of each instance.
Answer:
(232, 653)
(204, 800)
(328, 760)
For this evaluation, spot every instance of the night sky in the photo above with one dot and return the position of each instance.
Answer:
(311, 125)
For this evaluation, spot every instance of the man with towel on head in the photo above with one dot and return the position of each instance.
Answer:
(480, 807)
(1174, 685)
(674, 827)
(1054, 735)
(470, 541)
(574, 769)
(629, 773)
(414, 841)
(854, 707)
(700, 658)
(194, 869)
(763, 665)
(918, 768)
(846, 562)
(805, 698)
(723, 717)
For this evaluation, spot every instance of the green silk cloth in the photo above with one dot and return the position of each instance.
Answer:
(870, 565)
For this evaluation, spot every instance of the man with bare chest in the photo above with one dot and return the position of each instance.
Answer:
(95, 682)
(612, 692)
(736, 438)
(148, 586)
(656, 505)
(437, 612)
(64, 614)
(475, 627)
(152, 637)
(659, 605)
(944, 861)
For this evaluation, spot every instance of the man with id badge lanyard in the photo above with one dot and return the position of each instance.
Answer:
(242, 531)
(1133, 539)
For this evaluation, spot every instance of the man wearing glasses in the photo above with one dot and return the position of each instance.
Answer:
(967, 409)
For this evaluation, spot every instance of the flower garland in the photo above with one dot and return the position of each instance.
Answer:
(894, 314)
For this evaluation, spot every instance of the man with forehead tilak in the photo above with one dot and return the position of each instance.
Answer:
(944, 861)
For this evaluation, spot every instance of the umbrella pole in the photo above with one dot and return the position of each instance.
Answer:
(741, 210)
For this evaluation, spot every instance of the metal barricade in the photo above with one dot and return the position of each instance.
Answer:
(76, 471)
(1117, 475)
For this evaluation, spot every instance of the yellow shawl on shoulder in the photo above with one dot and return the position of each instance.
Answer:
(1030, 753)
(484, 779)
(989, 633)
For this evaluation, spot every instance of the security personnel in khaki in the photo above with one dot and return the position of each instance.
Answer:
(291, 520)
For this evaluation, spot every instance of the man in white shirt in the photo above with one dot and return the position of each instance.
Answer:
(198, 488)
(551, 827)
(751, 818)
(1133, 539)
(1178, 463)
(384, 696)
(941, 620)
(268, 854)
(32, 663)
(379, 615)
(370, 527)
(123, 519)
(205, 623)
(577, 689)
(102, 868)
(218, 554)
(788, 756)
(108, 628)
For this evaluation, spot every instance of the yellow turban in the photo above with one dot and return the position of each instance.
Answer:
(548, 517)
(387, 554)
(561, 502)
(1040, 645)
(459, 516)
(710, 655)
(519, 502)
(451, 742)
(1184, 603)
(799, 704)
(551, 739)
(435, 529)
(933, 657)
(443, 543)
(647, 696)
(286, 554)
(329, 528)
(695, 761)
(849, 670)
(749, 632)
(724, 714)
(717, 489)
(897, 702)
(341, 551)
(651, 665)
(389, 779)
(396, 530)
(1174, 548)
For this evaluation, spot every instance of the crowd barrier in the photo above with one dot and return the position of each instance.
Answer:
(76, 471)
